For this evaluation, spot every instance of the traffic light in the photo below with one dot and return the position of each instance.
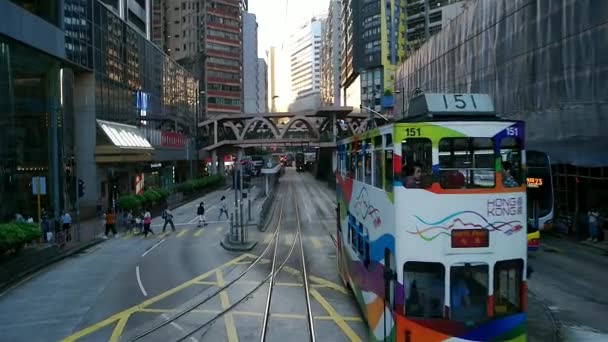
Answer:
(80, 188)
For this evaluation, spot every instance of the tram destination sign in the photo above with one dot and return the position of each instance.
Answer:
(470, 238)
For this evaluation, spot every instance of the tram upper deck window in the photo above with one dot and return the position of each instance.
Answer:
(417, 168)
(469, 293)
(508, 276)
(510, 152)
(424, 289)
(466, 163)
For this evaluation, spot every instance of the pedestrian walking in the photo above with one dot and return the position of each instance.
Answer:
(110, 223)
(200, 211)
(223, 208)
(168, 216)
(147, 223)
(66, 221)
(593, 218)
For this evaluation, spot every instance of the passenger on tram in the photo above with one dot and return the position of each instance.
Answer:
(413, 178)
(507, 178)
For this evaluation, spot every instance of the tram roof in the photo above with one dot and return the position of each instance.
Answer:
(451, 107)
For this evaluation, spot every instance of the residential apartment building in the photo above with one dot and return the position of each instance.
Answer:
(305, 65)
(331, 56)
(251, 79)
(425, 18)
(206, 37)
(224, 56)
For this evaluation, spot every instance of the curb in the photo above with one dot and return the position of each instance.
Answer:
(237, 247)
(553, 316)
(11, 284)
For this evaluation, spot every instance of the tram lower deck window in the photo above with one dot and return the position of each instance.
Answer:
(469, 292)
(508, 276)
(424, 284)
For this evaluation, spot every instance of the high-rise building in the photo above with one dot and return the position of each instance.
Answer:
(224, 56)
(206, 37)
(373, 36)
(250, 63)
(305, 65)
(424, 18)
(135, 12)
(262, 86)
(87, 96)
(331, 56)
(272, 78)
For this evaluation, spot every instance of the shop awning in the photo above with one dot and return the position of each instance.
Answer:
(118, 142)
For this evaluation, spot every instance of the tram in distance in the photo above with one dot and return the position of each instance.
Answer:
(431, 231)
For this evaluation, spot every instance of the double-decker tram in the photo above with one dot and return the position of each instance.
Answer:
(431, 233)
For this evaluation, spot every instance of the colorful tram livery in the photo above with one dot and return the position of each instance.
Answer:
(432, 223)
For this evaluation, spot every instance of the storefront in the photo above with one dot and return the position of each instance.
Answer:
(120, 151)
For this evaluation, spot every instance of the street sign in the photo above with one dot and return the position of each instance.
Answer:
(38, 185)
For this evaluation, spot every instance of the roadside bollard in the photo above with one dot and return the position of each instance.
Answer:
(231, 226)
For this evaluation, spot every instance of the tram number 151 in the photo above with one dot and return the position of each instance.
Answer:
(412, 132)
(459, 101)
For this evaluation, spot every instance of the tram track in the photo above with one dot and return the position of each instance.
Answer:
(273, 244)
(215, 293)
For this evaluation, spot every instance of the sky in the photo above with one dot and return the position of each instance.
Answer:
(277, 19)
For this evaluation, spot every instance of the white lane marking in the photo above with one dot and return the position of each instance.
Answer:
(151, 248)
(178, 327)
(141, 286)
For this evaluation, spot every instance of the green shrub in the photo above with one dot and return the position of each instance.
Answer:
(14, 235)
(129, 202)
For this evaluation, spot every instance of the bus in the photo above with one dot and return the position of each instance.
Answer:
(430, 233)
(540, 196)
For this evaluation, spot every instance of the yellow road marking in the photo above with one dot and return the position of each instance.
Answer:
(328, 284)
(199, 232)
(183, 232)
(228, 318)
(120, 326)
(219, 229)
(165, 234)
(254, 314)
(315, 242)
(347, 319)
(214, 283)
(268, 238)
(339, 320)
(92, 328)
(128, 236)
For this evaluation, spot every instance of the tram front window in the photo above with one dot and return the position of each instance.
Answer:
(466, 163)
(416, 171)
(469, 293)
(424, 289)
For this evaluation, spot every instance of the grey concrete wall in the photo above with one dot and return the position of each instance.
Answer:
(85, 137)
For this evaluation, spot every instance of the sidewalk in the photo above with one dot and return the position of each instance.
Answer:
(41, 255)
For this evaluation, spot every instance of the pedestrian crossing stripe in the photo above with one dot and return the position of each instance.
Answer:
(183, 232)
(198, 233)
